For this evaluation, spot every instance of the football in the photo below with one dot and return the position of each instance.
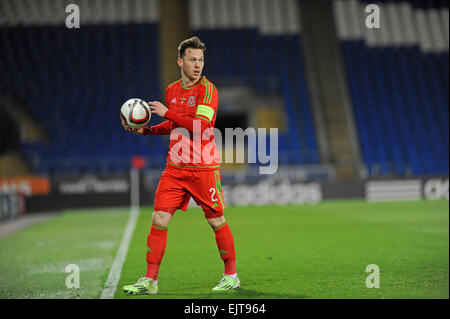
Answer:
(136, 113)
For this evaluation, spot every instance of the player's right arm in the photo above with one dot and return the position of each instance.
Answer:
(163, 128)
(132, 130)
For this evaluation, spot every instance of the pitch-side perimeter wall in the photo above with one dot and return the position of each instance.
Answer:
(94, 191)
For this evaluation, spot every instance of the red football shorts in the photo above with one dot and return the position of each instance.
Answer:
(177, 186)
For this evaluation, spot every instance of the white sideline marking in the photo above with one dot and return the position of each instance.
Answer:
(116, 269)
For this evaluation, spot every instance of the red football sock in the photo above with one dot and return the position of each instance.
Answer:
(156, 246)
(225, 244)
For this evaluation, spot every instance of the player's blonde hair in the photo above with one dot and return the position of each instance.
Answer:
(192, 43)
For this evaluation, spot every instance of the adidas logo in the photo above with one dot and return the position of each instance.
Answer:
(215, 205)
(223, 252)
(174, 100)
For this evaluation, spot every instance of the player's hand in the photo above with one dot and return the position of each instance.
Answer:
(158, 108)
(132, 130)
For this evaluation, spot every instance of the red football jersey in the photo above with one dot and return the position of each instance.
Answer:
(192, 116)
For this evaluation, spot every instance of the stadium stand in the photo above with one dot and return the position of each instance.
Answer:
(74, 80)
(398, 81)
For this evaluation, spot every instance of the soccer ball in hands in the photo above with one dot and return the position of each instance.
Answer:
(136, 113)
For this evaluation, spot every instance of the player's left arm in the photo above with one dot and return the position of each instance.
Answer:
(207, 103)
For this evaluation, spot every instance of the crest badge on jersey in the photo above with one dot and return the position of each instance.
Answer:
(191, 100)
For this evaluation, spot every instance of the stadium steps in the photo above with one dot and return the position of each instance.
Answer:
(12, 164)
(272, 116)
(229, 167)
(170, 35)
(323, 59)
(30, 129)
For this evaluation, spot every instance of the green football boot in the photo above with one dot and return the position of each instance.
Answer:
(144, 286)
(227, 282)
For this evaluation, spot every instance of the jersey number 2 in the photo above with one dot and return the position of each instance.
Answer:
(213, 191)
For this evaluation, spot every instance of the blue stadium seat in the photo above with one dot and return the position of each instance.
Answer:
(401, 108)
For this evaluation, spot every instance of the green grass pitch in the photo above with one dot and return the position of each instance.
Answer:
(309, 251)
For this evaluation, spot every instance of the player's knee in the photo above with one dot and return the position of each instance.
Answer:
(161, 218)
(216, 222)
